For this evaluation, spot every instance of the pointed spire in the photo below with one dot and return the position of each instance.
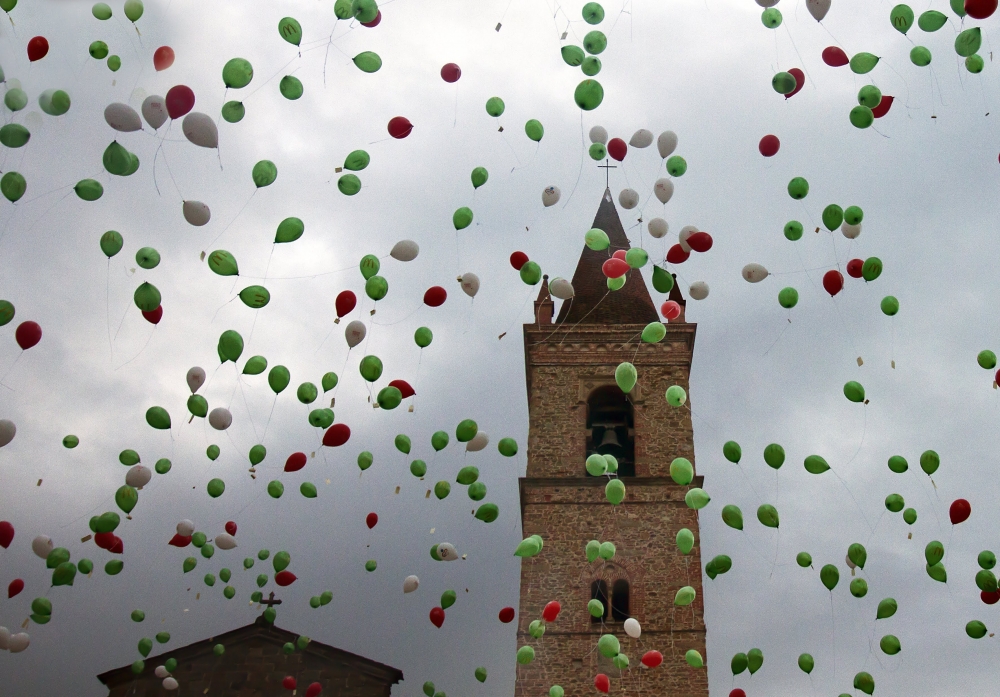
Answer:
(594, 303)
(544, 306)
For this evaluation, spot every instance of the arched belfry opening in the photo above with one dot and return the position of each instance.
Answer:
(610, 427)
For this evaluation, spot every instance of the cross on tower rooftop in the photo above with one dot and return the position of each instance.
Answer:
(270, 600)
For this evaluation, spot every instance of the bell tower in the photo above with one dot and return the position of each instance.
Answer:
(576, 409)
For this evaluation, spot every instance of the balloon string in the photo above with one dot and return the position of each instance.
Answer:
(107, 308)
(584, 317)
(275, 401)
(583, 146)
(150, 338)
(269, 79)
(235, 219)
(851, 493)
(239, 379)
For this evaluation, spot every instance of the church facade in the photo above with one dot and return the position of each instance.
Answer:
(576, 409)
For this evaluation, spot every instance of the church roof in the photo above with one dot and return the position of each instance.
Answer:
(594, 303)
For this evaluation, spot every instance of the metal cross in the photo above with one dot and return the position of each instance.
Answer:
(270, 600)
(607, 167)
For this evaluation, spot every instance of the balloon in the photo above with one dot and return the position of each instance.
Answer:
(901, 18)
(200, 129)
(865, 682)
(290, 87)
(28, 334)
(601, 681)
(697, 498)
(225, 541)
(534, 130)
(7, 432)
(18, 642)
(133, 10)
(195, 378)
(754, 273)
(435, 296)
(368, 62)
(13, 186)
(854, 391)
(561, 289)
(163, 58)
(285, 578)
(220, 418)
(980, 9)
(462, 218)
(495, 106)
(6, 529)
(588, 95)
(122, 117)
(550, 197)
(114, 63)
(178, 102)
(968, 42)
(959, 511)
(290, 30)
(336, 435)
(800, 82)
(771, 18)
(833, 282)
(596, 239)
(255, 297)
(196, 213)
(862, 63)
(264, 173)
(615, 268)
(237, 73)
(617, 149)
(818, 8)
(929, 462)
(437, 618)
(38, 47)
(400, 127)
(670, 310)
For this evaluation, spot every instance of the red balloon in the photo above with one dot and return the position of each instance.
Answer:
(231, 527)
(670, 309)
(551, 611)
(177, 540)
(404, 388)
(677, 255)
(738, 692)
(518, 259)
(284, 578)
(769, 145)
(346, 302)
(854, 267)
(153, 316)
(960, 511)
(883, 106)
(990, 598)
(179, 101)
(833, 282)
(835, 57)
(28, 334)
(700, 241)
(435, 296)
(450, 72)
(295, 462)
(371, 520)
(602, 683)
(117, 547)
(980, 9)
(437, 617)
(617, 149)
(651, 659)
(620, 254)
(314, 689)
(6, 534)
(104, 540)
(288, 683)
(997, 377)
(615, 268)
(800, 81)
(400, 127)
(15, 587)
(336, 435)
(507, 615)
(163, 58)
(373, 23)
(37, 48)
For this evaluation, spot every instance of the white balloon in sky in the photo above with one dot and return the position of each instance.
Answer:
(185, 528)
(355, 333)
(641, 138)
(170, 684)
(122, 117)
(41, 546)
(18, 642)
(561, 288)
(550, 196)
(200, 129)
(666, 143)
(410, 584)
(154, 110)
(7, 432)
(405, 250)
(195, 378)
(632, 627)
(225, 541)
(698, 290)
(138, 476)
(658, 228)
(161, 672)
(478, 442)
(767, 3)
(220, 418)
(470, 284)
(196, 213)
(628, 198)
(599, 134)
(683, 235)
(663, 189)
(754, 273)
(4, 638)
(850, 231)
(447, 551)
(818, 8)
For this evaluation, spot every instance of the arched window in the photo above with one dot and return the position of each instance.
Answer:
(599, 591)
(619, 600)
(610, 427)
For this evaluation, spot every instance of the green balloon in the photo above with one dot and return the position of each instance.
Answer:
(830, 576)
(158, 418)
(213, 452)
(488, 512)
(86, 189)
(462, 218)
(329, 381)
(289, 230)
(290, 87)
(59, 555)
(439, 440)
(307, 393)
(968, 42)
(771, 18)
(663, 282)
(853, 215)
(596, 465)
(237, 73)
(290, 30)
(614, 491)
(654, 332)
(442, 489)
(114, 567)
(889, 305)
(732, 516)
(111, 243)
(676, 396)
(255, 297)
(597, 240)
(126, 498)
(681, 471)
(987, 560)
(929, 462)
(932, 20)
(798, 188)
(368, 61)
(864, 682)
(859, 587)
(116, 159)
(774, 456)
(114, 63)
(275, 489)
(54, 102)
(507, 447)
(321, 418)
(255, 365)
(107, 522)
(593, 13)
(6, 312)
(676, 166)
(479, 177)
(685, 540)
(573, 55)
(783, 83)
(216, 487)
(804, 559)
(793, 229)
(128, 457)
(307, 489)
(357, 160)
(147, 258)
(257, 455)
(477, 491)
(198, 539)
(901, 18)
(598, 151)
(920, 56)
(365, 460)
(133, 10)
(376, 288)
(833, 215)
(739, 663)
(889, 645)
(223, 263)
(588, 95)
(591, 66)
(958, 7)
(897, 463)
(986, 581)
(768, 515)
(466, 430)
(894, 503)
(15, 99)
(975, 64)
(349, 184)
(862, 63)
(231, 345)
(13, 186)
(389, 398)
(370, 368)
(696, 498)
(525, 655)
(815, 464)
(101, 11)
(70, 442)
(278, 378)
(608, 645)
(467, 475)
(14, 135)
(937, 572)
(264, 173)
(731, 451)
(755, 659)
(861, 117)
(788, 297)
(854, 391)
(626, 377)
(423, 337)
(209, 580)
(233, 112)
(806, 663)
(364, 10)
(871, 269)
(147, 297)
(145, 646)
(595, 42)
(933, 552)
(494, 106)
(534, 130)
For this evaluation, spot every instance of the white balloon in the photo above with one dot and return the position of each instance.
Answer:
(122, 117)
(161, 672)
(200, 129)
(698, 290)
(4, 638)
(767, 3)
(138, 476)
(850, 563)
(7, 432)
(355, 333)
(154, 110)
(405, 250)
(41, 546)
(550, 196)
(632, 628)
(664, 189)
(755, 273)
(195, 378)
(410, 584)
(629, 198)
(599, 134)
(666, 143)
(658, 228)
(561, 288)
(478, 442)
(447, 551)
(641, 139)
(185, 528)
(18, 642)
(225, 541)
(683, 235)
(818, 8)
(850, 231)
(170, 684)
(470, 284)
(196, 213)
(220, 419)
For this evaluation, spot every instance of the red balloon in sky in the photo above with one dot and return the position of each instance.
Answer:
(284, 578)
(163, 58)
(117, 547)
(373, 23)
(400, 127)
(738, 692)
(338, 434)
(615, 268)
(835, 57)
(769, 145)
(314, 689)
(883, 106)
(231, 527)
(551, 611)
(6, 534)
(833, 282)
(700, 241)
(450, 72)
(507, 615)
(677, 255)
(404, 388)
(651, 659)
(179, 101)
(800, 82)
(27, 334)
(346, 302)
(37, 48)
(153, 316)
(960, 511)
(602, 683)
(371, 520)
(670, 309)
(619, 254)
(288, 683)
(15, 587)
(104, 540)
(990, 598)
(178, 540)
(980, 9)
(296, 461)
(437, 616)
(617, 149)
(854, 267)
(518, 259)
(435, 296)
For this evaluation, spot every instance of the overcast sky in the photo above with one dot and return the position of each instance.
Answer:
(925, 176)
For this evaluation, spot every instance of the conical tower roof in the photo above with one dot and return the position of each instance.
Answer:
(594, 302)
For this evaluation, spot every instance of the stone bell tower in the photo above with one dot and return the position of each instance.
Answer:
(576, 409)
